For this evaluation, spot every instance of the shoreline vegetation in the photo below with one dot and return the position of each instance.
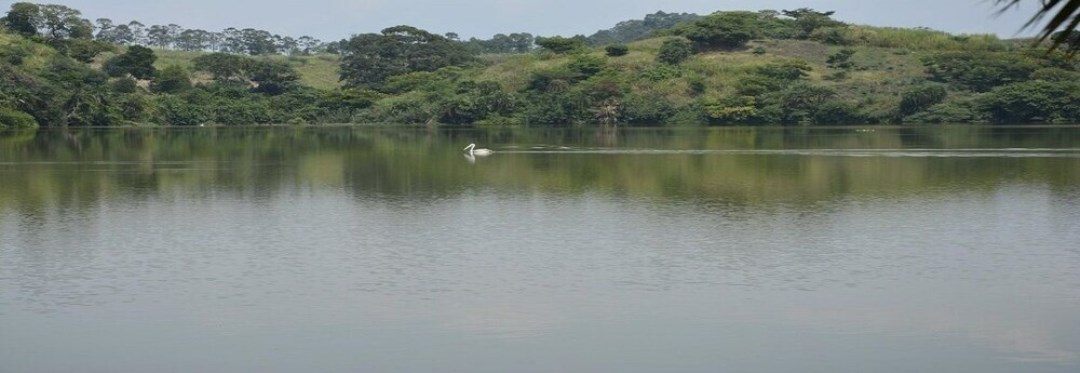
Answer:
(778, 68)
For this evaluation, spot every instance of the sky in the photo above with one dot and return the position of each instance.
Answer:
(337, 19)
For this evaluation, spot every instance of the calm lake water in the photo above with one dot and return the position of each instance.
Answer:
(950, 249)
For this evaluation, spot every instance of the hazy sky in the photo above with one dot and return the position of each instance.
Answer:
(337, 19)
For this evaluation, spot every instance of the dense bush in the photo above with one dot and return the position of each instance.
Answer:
(561, 45)
(136, 61)
(786, 70)
(176, 111)
(1034, 101)
(586, 65)
(918, 98)
(724, 30)
(733, 110)
(370, 59)
(616, 50)
(949, 112)
(638, 29)
(11, 119)
(836, 112)
(1055, 74)
(646, 110)
(979, 72)
(171, 79)
(674, 51)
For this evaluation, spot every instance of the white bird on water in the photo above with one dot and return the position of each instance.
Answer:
(480, 152)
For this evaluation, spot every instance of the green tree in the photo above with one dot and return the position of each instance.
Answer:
(81, 96)
(257, 42)
(561, 45)
(370, 59)
(841, 61)
(31, 94)
(124, 85)
(979, 72)
(807, 20)
(223, 67)
(784, 71)
(616, 50)
(137, 62)
(106, 29)
(171, 79)
(722, 30)
(20, 19)
(158, 35)
(60, 22)
(639, 29)
(273, 78)
(193, 40)
(13, 119)
(675, 50)
(84, 50)
(1033, 101)
(921, 97)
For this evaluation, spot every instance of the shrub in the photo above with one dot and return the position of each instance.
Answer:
(12, 119)
(949, 112)
(84, 50)
(838, 113)
(731, 109)
(124, 85)
(979, 72)
(554, 80)
(586, 65)
(171, 79)
(917, 98)
(617, 50)
(696, 84)
(561, 45)
(674, 50)
(1055, 74)
(661, 72)
(841, 60)
(137, 61)
(646, 110)
(787, 70)
(176, 111)
(724, 30)
(1034, 101)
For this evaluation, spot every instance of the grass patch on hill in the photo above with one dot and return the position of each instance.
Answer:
(317, 71)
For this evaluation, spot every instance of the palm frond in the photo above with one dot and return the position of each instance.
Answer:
(1064, 18)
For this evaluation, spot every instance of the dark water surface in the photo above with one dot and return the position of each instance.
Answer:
(950, 249)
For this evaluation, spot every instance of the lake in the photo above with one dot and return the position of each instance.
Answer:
(370, 249)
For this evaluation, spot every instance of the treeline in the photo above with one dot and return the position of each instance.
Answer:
(53, 21)
(59, 22)
(788, 67)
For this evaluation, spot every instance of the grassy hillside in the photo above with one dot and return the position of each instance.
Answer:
(319, 71)
(767, 81)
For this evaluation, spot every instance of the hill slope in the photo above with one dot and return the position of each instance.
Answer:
(729, 68)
